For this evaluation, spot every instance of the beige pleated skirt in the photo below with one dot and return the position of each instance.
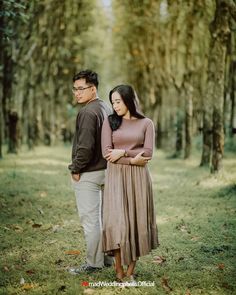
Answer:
(128, 215)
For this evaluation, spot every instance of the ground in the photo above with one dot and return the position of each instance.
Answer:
(41, 235)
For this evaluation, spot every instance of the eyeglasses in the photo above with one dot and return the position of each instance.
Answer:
(79, 89)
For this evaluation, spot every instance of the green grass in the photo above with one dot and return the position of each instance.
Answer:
(196, 216)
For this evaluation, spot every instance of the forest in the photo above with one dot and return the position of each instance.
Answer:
(180, 57)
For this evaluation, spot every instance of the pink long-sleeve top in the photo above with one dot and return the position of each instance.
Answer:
(133, 136)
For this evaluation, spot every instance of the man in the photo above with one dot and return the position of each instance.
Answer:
(88, 166)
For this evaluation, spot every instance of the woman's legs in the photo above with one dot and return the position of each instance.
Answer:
(119, 267)
(130, 269)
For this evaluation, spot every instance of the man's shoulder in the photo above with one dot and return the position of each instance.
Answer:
(94, 108)
(100, 102)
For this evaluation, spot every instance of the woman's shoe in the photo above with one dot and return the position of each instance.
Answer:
(119, 277)
(131, 279)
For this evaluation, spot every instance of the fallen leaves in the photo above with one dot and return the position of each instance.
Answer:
(56, 228)
(51, 242)
(165, 285)
(195, 238)
(24, 257)
(159, 259)
(16, 227)
(221, 266)
(30, 271)
(43, 194)
(40, 211)
(72, 252)
(182, 226)
(36, 225)
(29, 286)
(6, 269)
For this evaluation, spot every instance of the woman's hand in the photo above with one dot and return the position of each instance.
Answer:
(139, 160)
(114, 155)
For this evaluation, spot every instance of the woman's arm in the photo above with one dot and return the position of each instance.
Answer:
(138, 156)
(148, 145)
(106, 138)
(149, 140)
(107, 146)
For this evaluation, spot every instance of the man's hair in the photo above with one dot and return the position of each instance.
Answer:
(89, 76)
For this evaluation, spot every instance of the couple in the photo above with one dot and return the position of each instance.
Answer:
(120, 220)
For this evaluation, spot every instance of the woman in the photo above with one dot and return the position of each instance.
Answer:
(129, 220)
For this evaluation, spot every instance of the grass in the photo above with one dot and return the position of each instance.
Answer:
(39, 223)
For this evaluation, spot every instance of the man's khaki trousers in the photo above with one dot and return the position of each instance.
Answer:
(88, 193)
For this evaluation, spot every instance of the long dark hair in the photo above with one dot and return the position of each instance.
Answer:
(129, 98)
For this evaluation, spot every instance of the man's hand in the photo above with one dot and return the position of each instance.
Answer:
(75, 177)
(114, 155)
(139, 160)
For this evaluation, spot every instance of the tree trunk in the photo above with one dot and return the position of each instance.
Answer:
(219, 32)
(232, 111)
(188, 123)
(13, 136)
(207, 135)
(159, 122)
(179, 128)
(179, 123)
(179, 135)
(232, 78)
(189, 68)
(232, 90)
(207, 106)
(1, 79)
(1, 119)
(6, 101)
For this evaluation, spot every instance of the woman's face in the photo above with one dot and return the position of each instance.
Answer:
(118, 105)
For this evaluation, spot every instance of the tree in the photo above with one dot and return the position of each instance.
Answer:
(51, 44)
(213, 135)
(163, 47)
(11, 15)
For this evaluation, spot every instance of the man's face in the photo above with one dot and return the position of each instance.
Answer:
(83, 92)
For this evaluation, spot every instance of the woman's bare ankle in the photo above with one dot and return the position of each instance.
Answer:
(130, 269)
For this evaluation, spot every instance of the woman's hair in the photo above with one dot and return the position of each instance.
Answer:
(129, 98)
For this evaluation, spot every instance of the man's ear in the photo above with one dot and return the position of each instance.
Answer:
(94, 88)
